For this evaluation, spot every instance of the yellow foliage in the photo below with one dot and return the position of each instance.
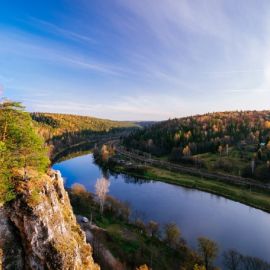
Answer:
(78, 189)
(186, 151)
(52, 124)
(143, 267)
(199, 267)
(1, 258)
(267, 124)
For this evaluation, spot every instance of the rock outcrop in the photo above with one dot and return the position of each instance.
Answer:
(39, 230)
(11, 251)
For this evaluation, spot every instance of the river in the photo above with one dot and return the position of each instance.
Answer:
(229, 223)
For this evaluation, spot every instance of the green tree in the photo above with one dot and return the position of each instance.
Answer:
(198, 267)
(20, 146)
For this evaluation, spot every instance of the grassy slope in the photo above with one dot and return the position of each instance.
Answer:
(234, 162)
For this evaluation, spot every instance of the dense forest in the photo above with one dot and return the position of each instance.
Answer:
(231, 142)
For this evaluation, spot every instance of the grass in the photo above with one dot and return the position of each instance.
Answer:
(129, 244)
(7, 192)
(235, 163)
(256, 198)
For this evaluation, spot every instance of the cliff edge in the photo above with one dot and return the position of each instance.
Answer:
(38, 229)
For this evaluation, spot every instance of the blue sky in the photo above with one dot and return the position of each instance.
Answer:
(135, 60)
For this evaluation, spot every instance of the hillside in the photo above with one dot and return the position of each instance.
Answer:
(62, 131)
(230, 142)
(51, 124)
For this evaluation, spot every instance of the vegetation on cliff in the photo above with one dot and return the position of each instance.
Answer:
(34, 205)
(20, 147)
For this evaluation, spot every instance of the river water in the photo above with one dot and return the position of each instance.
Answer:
(230, 224)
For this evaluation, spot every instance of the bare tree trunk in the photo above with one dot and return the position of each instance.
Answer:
(91, 218)
(101, 207)
(4, 132)
(25, 171)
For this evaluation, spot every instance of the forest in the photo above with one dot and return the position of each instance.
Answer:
(235, 142)
(61, 131)
(53, 124)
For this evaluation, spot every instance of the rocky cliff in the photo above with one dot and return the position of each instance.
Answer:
(38, 229)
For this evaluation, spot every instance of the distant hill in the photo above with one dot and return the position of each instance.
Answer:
(52, 124)
(146, 123)
(222, 141)
(63, 131)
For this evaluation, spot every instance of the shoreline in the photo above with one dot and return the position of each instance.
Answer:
(254, 198)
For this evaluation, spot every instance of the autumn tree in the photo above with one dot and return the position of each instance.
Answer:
(232, 260)
(78, 189)
(102, 188)
(208, 250)
(267, 124)
(143, 267)
(268, 146)
(153, 228)
(172, 234)
(199, 267)
(104, 152)
(186, 151)
(220, 149)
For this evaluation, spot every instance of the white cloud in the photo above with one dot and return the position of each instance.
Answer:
(158, 59)
(32, 47)
(141, 107)
(50, 27)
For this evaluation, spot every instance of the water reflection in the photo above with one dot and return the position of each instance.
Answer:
(230, 224)
(134, 180)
